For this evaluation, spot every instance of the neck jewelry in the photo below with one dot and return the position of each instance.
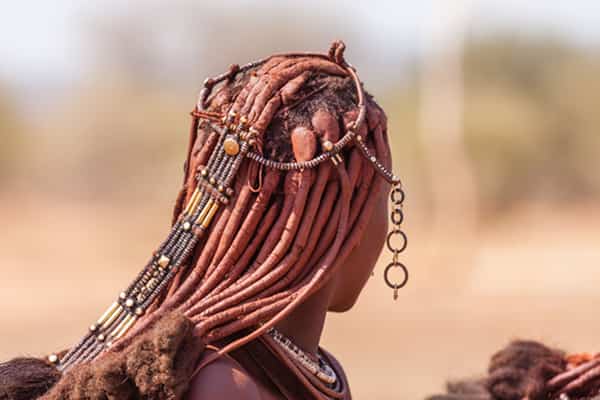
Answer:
(318, 368)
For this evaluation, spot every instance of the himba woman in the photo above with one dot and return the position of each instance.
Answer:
(529, 370)
(280, 219)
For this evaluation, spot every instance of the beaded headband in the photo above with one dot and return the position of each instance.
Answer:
(237, 141)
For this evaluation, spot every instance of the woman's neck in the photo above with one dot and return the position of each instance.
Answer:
(305, 324)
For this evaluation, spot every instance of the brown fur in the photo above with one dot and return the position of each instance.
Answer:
(520, 371)
(157, 365)
(26, 378)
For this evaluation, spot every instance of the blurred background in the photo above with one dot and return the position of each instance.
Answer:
(494, 120)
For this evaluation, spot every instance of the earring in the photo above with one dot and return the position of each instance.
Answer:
(396, 217)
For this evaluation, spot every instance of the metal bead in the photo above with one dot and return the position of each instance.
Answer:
(243, 122)
(130, 302)
(101, 337)
(221, 188)
(93, 327)
(204, 172)
(53, 358)
(186, 226)
(139, 311)
(163, 261)
(212, 180)
(123, 295)
(231, 146)
(231, 116)
(359, 138)
(327, 145)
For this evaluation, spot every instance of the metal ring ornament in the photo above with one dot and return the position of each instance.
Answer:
(386, 277)
(397, 216)
(389, 241)
(397, 191)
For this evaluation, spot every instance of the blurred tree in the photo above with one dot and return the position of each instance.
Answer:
(531, 119)
(531, 122)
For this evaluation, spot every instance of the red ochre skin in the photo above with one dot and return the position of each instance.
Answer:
(225, 378)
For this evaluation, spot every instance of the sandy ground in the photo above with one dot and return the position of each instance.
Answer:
(534, 275)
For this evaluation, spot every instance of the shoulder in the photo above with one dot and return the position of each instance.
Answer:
(224, 378)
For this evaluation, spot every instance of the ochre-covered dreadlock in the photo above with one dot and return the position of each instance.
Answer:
(283, 233)
(272, 248)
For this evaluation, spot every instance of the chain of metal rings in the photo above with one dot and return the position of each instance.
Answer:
(396, 217)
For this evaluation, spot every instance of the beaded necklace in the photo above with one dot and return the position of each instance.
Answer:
(318, 368)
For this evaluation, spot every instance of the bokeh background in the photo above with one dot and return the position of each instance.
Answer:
(494, 120)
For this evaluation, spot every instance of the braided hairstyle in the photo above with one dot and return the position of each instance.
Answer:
(283, 234)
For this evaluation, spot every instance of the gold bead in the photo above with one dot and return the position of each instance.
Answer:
(101, 337)
(220, 188)
(186, 226)
(359, 138)
(93, 327)
(139, 311)
(243, 122)
(129, 302)
(123, 295)
(163, 261)
(212, 180)
(231, 116)
(53, 358)
(231, 146)
(327, 145)
(204, 172)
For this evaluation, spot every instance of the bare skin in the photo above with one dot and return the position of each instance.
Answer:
(225, 378)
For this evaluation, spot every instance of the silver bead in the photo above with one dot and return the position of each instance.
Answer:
(163, 261)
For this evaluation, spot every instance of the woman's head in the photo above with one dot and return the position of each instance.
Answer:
(285, 231)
